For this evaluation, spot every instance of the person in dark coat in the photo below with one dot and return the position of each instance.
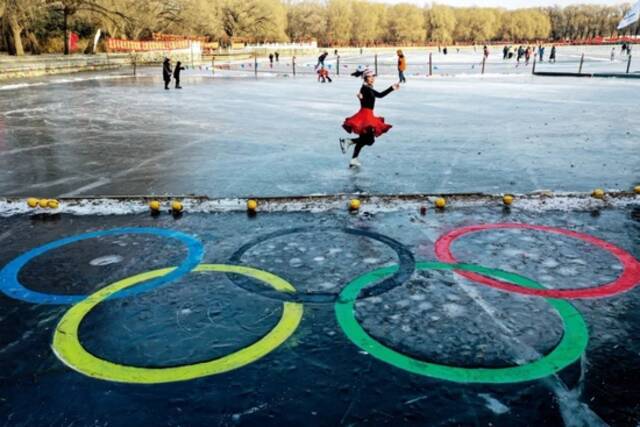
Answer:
(166, 72)
(271, 60)
(364, 123)
(321, 59)
(176, 74)
(277, 56)
(552, 55)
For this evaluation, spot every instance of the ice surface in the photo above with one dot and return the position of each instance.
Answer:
(235, 137)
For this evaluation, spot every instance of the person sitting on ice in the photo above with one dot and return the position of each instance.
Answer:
(323, 75)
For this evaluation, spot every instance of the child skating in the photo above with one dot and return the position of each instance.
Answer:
(364, 123)
(323, 75)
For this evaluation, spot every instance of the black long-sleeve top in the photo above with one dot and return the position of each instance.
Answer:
(166, 70)
(176, 71)
(369, 96)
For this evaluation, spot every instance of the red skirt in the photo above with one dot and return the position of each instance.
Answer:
(364, 122)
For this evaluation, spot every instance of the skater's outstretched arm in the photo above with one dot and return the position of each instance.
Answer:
(385, 92)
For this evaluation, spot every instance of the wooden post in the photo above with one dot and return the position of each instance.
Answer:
(376, 62)
(484, 60)
(191, 51)
(581, 62)
(338, 65)
(533, 70)
(628, 64)
(430, 64)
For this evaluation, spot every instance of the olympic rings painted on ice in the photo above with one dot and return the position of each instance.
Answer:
(11, 286)
(629, 278)
(572, 345)
(403, 273)
(67, 346)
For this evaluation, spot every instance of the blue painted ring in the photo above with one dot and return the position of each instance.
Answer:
(11, 286)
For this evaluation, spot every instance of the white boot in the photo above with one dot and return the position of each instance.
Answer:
(354, 163)
(345, 144)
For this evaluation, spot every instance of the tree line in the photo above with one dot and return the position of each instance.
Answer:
(42, 25)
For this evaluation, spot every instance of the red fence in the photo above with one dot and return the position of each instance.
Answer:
(119, 45)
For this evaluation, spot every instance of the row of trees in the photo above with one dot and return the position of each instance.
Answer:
(32, 24)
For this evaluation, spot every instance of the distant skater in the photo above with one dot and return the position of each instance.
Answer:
(541, 50)
(277, 54)
(364, 123)
(321, 59)
(485, 51)
(402, 66)
(166, 72)
(552, 55)
(271, 60)
(613, 54)
(176, 74)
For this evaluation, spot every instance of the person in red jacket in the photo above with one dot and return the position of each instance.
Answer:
(364, 123)
(323, 75)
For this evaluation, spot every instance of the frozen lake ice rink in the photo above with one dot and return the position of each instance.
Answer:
(233, 135)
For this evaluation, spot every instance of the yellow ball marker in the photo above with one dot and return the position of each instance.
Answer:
(354, 204)
(32, 202)
(507, 199)
(440, 203)
(53, 204)
(252, 205)
(43, 203)
(598, 193)
(154, 205)
(176, 206)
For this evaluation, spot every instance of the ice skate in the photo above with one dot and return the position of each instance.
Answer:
(355, 163)
(343, 145)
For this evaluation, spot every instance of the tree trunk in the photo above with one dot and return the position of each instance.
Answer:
(15, 31)
(34, 45)
(65, 28)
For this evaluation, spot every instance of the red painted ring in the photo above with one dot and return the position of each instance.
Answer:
(629, 278)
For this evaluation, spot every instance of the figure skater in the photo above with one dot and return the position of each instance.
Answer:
(364, 123)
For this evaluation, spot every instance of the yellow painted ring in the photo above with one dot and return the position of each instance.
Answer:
(67, 347)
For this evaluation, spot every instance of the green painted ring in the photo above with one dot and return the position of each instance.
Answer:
(573, 343)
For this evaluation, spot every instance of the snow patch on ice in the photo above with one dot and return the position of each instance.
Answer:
(565, 202)
(105, 260)
(494, 404)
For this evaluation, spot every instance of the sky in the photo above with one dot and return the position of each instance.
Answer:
(509, 4)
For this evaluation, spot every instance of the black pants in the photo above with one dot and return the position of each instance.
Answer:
(166, 84)
(177, 83)
(366, 139)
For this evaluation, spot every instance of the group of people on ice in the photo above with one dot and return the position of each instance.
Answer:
(528, 52)
(167, 72)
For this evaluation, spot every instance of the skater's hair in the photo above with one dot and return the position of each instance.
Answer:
(363, 73)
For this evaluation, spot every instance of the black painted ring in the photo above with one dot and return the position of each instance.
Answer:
(406, 267)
